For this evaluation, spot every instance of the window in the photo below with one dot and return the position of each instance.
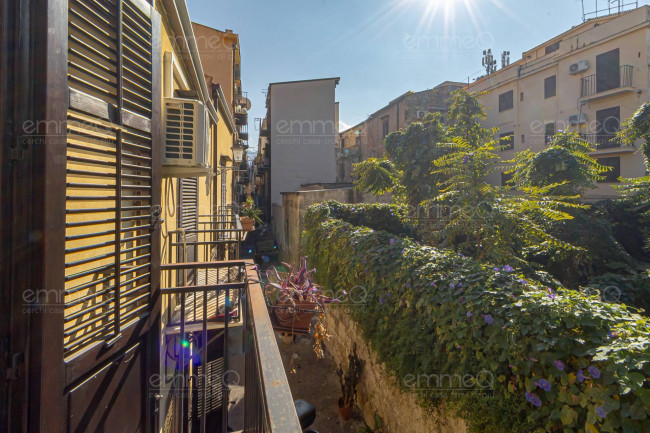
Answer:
(505, 178)
(549, 132)
(549, 87)
(521, 96)
(357, 141)
(384, 127)
(505, 101)
(507, 140)
(608, 122)
(523, 138)
(612, 175)
(553, 47)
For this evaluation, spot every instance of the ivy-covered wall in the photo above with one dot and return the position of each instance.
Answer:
(503, 352)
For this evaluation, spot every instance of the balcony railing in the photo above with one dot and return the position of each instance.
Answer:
(598, 83)
(601, 141)
(199, 327)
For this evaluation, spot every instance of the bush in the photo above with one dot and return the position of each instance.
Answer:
(633, 289)
(558, 361)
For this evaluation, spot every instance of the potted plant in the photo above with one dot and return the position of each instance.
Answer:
(349, 380)
(295, 298)
(249, 214)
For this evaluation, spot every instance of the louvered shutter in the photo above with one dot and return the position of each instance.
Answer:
(109, 171)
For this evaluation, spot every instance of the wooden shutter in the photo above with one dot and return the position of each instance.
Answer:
(109, 171)
(189, 203)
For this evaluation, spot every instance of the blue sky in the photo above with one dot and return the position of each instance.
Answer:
(379, 48)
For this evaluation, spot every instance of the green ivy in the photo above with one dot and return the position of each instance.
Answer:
(428, 311)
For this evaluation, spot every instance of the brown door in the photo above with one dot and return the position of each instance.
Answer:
(112, 197)
(608, 71)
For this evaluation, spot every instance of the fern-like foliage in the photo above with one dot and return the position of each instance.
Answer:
(376, 176)
(566, 163)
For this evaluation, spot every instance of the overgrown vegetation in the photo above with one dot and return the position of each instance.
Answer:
(555, 360)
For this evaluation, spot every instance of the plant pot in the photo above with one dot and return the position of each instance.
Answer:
(295, 319)
(247, 224)
(345, 412)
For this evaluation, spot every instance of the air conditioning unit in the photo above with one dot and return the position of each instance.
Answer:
(187, 133)
(578, 68)
(577, 119)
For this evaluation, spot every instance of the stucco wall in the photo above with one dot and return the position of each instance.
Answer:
(303, 135)
(377, 393)
(629, 33)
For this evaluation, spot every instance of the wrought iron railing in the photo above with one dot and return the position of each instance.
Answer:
(198, 327)
(601, 141)
(598, 83)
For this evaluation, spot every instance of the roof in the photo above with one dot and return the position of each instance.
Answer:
(337, 79)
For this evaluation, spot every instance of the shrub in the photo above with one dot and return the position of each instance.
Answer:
(559, 360)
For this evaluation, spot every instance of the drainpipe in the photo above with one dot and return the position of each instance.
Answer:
(186, 24)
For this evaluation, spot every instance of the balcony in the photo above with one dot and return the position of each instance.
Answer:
(598, 86)
(221, 366)
(605, 142)
(241, 116)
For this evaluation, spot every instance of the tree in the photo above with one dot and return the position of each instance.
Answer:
(566, 162)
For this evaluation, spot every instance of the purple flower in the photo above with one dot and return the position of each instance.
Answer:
(496, 269)
(363, 261)
(432, 284)
(462, 300)
(452, 286)
(488, 319)
(595, 373)
(469, 314)
(559, 365)
(459, 346)
(460, 284)
(612, 334)
(532, 360)
(581, 376)
(600, 411)
(533, 399)
(465, 159)
(382, 300)
(407, 285)
(544, 384)
(392, 241)
(550, 293)
(508, 268)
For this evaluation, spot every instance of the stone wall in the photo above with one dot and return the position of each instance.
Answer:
(377, 393)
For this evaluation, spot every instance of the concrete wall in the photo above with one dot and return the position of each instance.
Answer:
(377, 393)
(303, 135)
(629, 33)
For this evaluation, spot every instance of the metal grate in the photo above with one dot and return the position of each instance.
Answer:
(179, 129)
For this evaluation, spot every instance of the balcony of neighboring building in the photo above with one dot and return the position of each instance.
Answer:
(604, 85)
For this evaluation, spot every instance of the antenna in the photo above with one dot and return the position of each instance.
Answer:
(488, 62)
(505, 59)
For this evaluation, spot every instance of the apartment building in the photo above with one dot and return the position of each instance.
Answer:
(220, 55)
(366, 139)
(113, 142)
(588, 79)
(300, 133)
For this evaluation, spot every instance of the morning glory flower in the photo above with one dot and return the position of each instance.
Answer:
(382, 300)
(465, 159)
(508, 268)
(612, 334)
(581, 376)
(452, 286)
(496, 269)
(469, 314)
(432, 284)
(550, 293)
(559, 365)
(488, 319)
(544, 384)
(600, 411)
(595, 373)
(392, 241)
(533, 399)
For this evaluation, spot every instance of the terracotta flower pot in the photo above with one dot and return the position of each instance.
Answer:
(247, 224)
(296, 319)
(345, 412)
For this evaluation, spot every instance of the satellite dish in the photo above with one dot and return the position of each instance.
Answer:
(246, 103)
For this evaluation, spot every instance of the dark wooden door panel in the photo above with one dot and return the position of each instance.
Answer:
(112, 400)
